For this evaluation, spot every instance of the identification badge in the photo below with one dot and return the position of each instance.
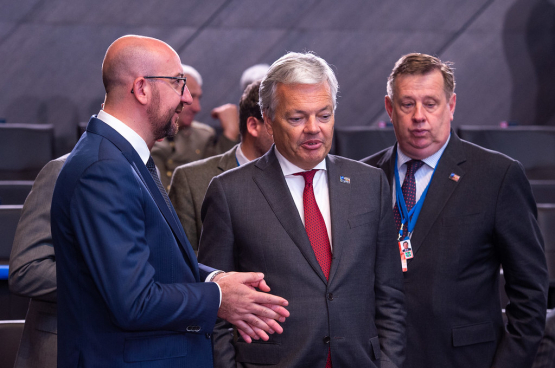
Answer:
(406, 248)
(403, 258)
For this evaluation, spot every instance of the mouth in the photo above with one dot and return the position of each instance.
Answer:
(312, 144)
(419, 132)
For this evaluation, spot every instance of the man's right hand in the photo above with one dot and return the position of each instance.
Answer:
(254, 313)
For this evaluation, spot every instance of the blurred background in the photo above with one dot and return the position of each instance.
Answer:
(503, 52)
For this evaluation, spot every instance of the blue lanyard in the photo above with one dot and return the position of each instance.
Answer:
(408, 219)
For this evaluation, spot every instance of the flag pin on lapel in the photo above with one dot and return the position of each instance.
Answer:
(345, 179)
(454, 177)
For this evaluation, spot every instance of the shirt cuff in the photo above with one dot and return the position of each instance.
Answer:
(209, 277)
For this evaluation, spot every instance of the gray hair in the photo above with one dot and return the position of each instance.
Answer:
(295, 68)
(253, 74)
(189, 70)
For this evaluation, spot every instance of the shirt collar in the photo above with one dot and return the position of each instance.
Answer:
(240, 156)
(290, 169)
(430, 160)
(126, 132)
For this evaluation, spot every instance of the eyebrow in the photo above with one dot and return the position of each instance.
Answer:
(303, 111)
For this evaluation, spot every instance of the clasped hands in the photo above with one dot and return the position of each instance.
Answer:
(254, 313)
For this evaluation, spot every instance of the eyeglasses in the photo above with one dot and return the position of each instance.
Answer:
(179, 84)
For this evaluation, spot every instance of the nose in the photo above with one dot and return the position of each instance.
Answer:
(311, 126)
(418, 115)
(195, 106)
(186, 97)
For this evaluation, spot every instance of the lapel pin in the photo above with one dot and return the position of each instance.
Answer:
(345, 179)
(454, 177)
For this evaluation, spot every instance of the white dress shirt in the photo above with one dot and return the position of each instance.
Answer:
(423, 175)
(140, 146)
(319, 184)
(240, 156)
(126, 132)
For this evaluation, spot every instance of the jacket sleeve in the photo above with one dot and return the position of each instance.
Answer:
(32, 260)
(519, 243)
(108, 217)
(390, 298)
(216, 249)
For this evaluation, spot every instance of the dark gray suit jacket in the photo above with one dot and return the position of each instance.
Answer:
(465, 231)
(252, 224)
(545, 358)
(188, 187)
(33, 272)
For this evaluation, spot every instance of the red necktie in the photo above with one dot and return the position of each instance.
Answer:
(409, 191)
(315, 225)
(316, 230)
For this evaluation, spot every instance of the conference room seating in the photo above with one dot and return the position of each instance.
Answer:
(14, 191)
(10, 337)
(9, 217)
(11, 306)
(25, 149)
(533, 146)
(359, 142)
(544, 190)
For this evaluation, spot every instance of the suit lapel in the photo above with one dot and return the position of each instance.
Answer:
(98, 127)
(340, 194)
(228, 160)
(271, 182)
(441, 189)
(387, 164)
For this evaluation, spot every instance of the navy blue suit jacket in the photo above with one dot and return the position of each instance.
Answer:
(129, 285)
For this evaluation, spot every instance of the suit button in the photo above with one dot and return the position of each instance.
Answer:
(330, 297)
(208, 336)
(326, 340)
(169, 174)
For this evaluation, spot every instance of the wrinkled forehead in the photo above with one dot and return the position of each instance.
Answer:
(304, 94)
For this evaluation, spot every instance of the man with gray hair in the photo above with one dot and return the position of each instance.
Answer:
(195, 140)
(321, 229)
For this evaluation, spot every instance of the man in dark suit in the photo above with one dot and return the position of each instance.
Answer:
(320, 227)
(33, 272)
(545, 358)
(190, 181)
(477, 213)
(130, 291)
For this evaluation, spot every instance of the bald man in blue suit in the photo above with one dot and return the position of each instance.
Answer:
(130, 291)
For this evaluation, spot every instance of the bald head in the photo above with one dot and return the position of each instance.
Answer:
(130, 57)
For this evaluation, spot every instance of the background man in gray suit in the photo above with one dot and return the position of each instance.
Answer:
(478, 214)
(320, 227)
(195, 140)
(190, 181)
(33, 272)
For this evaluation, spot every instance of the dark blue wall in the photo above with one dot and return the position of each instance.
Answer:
(503, 50)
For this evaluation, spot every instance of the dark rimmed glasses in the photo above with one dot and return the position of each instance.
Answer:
(180, 82)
